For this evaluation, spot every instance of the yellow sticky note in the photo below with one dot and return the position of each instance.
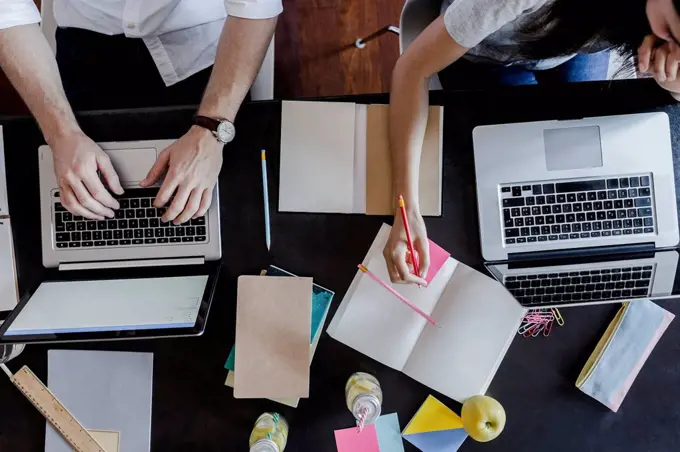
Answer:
(433, 416)
(109, 440)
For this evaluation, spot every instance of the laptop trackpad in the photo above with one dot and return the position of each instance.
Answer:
(132, 165)
(572, 148)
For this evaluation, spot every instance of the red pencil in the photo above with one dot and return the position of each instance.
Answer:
(414, 259)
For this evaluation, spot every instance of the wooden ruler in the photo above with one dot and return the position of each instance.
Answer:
(53, 410)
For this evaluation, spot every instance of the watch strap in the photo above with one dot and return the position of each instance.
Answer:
(207, 122)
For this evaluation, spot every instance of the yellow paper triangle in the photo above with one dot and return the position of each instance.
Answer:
(433, 416)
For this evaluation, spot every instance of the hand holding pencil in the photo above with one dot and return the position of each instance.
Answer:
(407, 249)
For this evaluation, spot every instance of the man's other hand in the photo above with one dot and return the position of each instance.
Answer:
(76, 161)
(192, 164)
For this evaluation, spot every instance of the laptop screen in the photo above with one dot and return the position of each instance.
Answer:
(653, 275)
(111, 305)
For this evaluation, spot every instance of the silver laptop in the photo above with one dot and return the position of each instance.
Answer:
(136, 236)
(579, 211)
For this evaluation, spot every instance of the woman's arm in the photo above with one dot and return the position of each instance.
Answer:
(432, 51)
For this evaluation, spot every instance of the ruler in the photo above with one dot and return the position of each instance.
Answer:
(53, 410)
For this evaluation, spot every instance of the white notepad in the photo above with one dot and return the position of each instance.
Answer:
(104, 391)
(476, 317)
(317, 157)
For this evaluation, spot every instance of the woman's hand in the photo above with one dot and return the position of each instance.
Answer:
(396, 252)
(662, 61)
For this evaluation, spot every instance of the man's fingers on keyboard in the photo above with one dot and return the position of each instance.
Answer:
(177, 205)
(165, 193)
(70, 202)
(97, 190)
(87, 201)
(109, 173)
(191, 206)
(206, 200)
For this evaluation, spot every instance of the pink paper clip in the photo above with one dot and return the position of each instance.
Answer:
(548, 329)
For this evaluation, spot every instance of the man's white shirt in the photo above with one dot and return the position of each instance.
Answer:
(181, 35)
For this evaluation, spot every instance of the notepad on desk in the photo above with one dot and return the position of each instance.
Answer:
(321, 302)
(273, 320)
(476, 320)
(335, 158)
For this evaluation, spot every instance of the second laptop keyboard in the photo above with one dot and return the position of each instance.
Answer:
(136, 223)
(577, 210)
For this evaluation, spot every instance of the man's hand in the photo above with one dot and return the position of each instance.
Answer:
(193, 163)
(76, 162)
(396, 252)
(662, 61)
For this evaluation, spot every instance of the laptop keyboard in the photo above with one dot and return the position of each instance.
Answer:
(136, 223)
(580, 286)
(582, 209)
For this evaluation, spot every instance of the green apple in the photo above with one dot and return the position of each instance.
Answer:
(483, 418)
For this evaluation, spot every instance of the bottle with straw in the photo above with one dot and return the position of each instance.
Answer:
(364, 398)
(270, 434)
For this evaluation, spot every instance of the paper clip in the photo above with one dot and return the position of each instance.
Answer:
(558, 316)
(547, 329)
(538, 330)
(525, 327)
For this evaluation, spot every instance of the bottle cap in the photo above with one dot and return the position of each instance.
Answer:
(371, 405)
(264, 445)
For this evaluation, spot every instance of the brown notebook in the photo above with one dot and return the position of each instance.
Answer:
(379, 197)
(273, 320)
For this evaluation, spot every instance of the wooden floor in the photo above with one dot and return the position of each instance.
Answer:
(315, 53)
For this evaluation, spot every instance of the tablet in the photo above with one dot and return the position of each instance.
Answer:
(114, 304)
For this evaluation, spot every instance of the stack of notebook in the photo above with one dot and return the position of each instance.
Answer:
(335, 158)
(8, 281)
(283, 332)
(321, 301)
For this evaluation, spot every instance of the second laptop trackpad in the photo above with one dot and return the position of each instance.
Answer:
(572, 148)
(132, 165)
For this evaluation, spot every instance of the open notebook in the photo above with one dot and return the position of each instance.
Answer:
(335, 158)
(476, 321)
(9, 296)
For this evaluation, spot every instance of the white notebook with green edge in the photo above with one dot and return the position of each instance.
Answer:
(476, 321)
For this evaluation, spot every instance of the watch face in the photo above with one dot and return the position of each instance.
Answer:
(225, 131)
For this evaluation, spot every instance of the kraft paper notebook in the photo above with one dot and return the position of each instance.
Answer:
(477, 319)
(273, 320)
(109, 392)
(335, 158)
(321, 302)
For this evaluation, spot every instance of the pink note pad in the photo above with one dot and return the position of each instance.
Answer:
(438, 257)
(350, 440)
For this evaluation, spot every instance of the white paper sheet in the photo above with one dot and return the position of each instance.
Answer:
(478, 318)
(375, 322)
(317, 157)
(8, 279)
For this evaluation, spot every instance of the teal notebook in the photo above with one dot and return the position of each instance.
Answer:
(321, 302)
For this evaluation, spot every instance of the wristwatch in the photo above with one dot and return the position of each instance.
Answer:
(223, 130)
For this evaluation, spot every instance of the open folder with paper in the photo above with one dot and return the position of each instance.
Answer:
(335, 158)
(476, 321)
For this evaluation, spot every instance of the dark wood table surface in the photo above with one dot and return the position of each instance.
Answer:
(194, 411)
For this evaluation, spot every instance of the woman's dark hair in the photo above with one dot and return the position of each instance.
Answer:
(567, 26)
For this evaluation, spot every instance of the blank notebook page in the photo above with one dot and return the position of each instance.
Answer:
(477, 320)
(317, 157)
(8, 282)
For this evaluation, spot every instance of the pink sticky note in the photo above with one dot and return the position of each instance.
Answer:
(438, 257)
(350, 440)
